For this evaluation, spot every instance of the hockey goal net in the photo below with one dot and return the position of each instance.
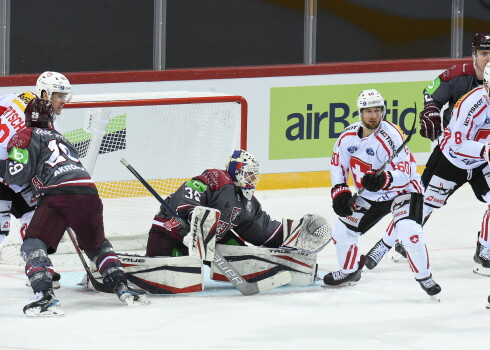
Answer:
(168, 137)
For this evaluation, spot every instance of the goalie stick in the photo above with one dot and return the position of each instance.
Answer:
(245, 287)
(393, 156)
(100, 287)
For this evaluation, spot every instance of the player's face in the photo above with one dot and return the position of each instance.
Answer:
(482, 57)
(58, 101)
(372, 116)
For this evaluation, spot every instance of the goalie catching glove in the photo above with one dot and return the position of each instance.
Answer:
(307, 235)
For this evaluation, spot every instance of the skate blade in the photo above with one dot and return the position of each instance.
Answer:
(435, 298)
(346, 284)
(480, 270)
(132, 302)
(52, 311)
(397, 257)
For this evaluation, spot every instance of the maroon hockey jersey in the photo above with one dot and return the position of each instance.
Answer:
(48, 161)
(214, 188)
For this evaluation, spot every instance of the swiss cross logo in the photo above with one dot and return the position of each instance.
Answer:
(414, 238)
(6, 225)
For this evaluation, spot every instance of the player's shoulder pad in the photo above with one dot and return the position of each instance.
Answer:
(457, 70)
(215, 179)
(351, 127)
(20, 139)
(391, 134)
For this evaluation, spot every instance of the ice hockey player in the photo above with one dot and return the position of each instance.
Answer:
(41, 156)
(362, 148)
(465, 147)
(447, 88)
(241, 218)
(20, 200)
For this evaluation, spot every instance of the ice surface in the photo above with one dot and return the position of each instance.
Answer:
(386, 310)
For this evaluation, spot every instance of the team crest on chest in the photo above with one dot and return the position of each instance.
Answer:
(352, 149)
(370, 151)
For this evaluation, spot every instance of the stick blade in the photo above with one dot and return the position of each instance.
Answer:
(279, 279)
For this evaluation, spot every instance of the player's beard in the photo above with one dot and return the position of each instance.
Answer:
(372, 125)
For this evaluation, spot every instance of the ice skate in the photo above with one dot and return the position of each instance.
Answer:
(400, 253)
(430, 287)
(338, 277)
(374, 256)
(482, 260)
(130, 295)
(45, 305)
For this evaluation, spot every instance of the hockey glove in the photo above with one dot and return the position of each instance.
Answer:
(430, 122)
(340, 197)
(372, 182)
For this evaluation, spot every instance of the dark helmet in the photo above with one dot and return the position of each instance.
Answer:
(481, 41)
(39, 113)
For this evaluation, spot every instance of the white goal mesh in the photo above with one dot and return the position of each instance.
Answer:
(167, 137)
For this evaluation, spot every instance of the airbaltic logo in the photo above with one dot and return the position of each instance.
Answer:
(308, 126)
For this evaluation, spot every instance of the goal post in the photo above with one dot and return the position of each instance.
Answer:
(169, 137)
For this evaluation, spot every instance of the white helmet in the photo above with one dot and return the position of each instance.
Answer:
(53, 82)
(244, 171)
(370, 98)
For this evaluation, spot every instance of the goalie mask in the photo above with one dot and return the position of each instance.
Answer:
(244, 171)
(53, 82)
(39, 113)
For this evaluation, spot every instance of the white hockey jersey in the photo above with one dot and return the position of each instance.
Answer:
(469, 128)
(12, 120)
(359, 155)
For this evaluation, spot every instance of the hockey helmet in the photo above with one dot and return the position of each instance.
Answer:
(53, 82)
(244, 171)
(370, 98)
(481, 41)
(39, 113)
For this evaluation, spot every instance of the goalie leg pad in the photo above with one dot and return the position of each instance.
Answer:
(160, 275)
(201, 239)
(308, 235)
(257, 263)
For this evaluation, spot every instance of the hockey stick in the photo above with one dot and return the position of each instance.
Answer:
(245, 287)
(100, 287)
(393, 156)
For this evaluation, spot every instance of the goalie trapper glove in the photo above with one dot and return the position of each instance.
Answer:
(430, 122)
(374, 183)
(341, 195)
